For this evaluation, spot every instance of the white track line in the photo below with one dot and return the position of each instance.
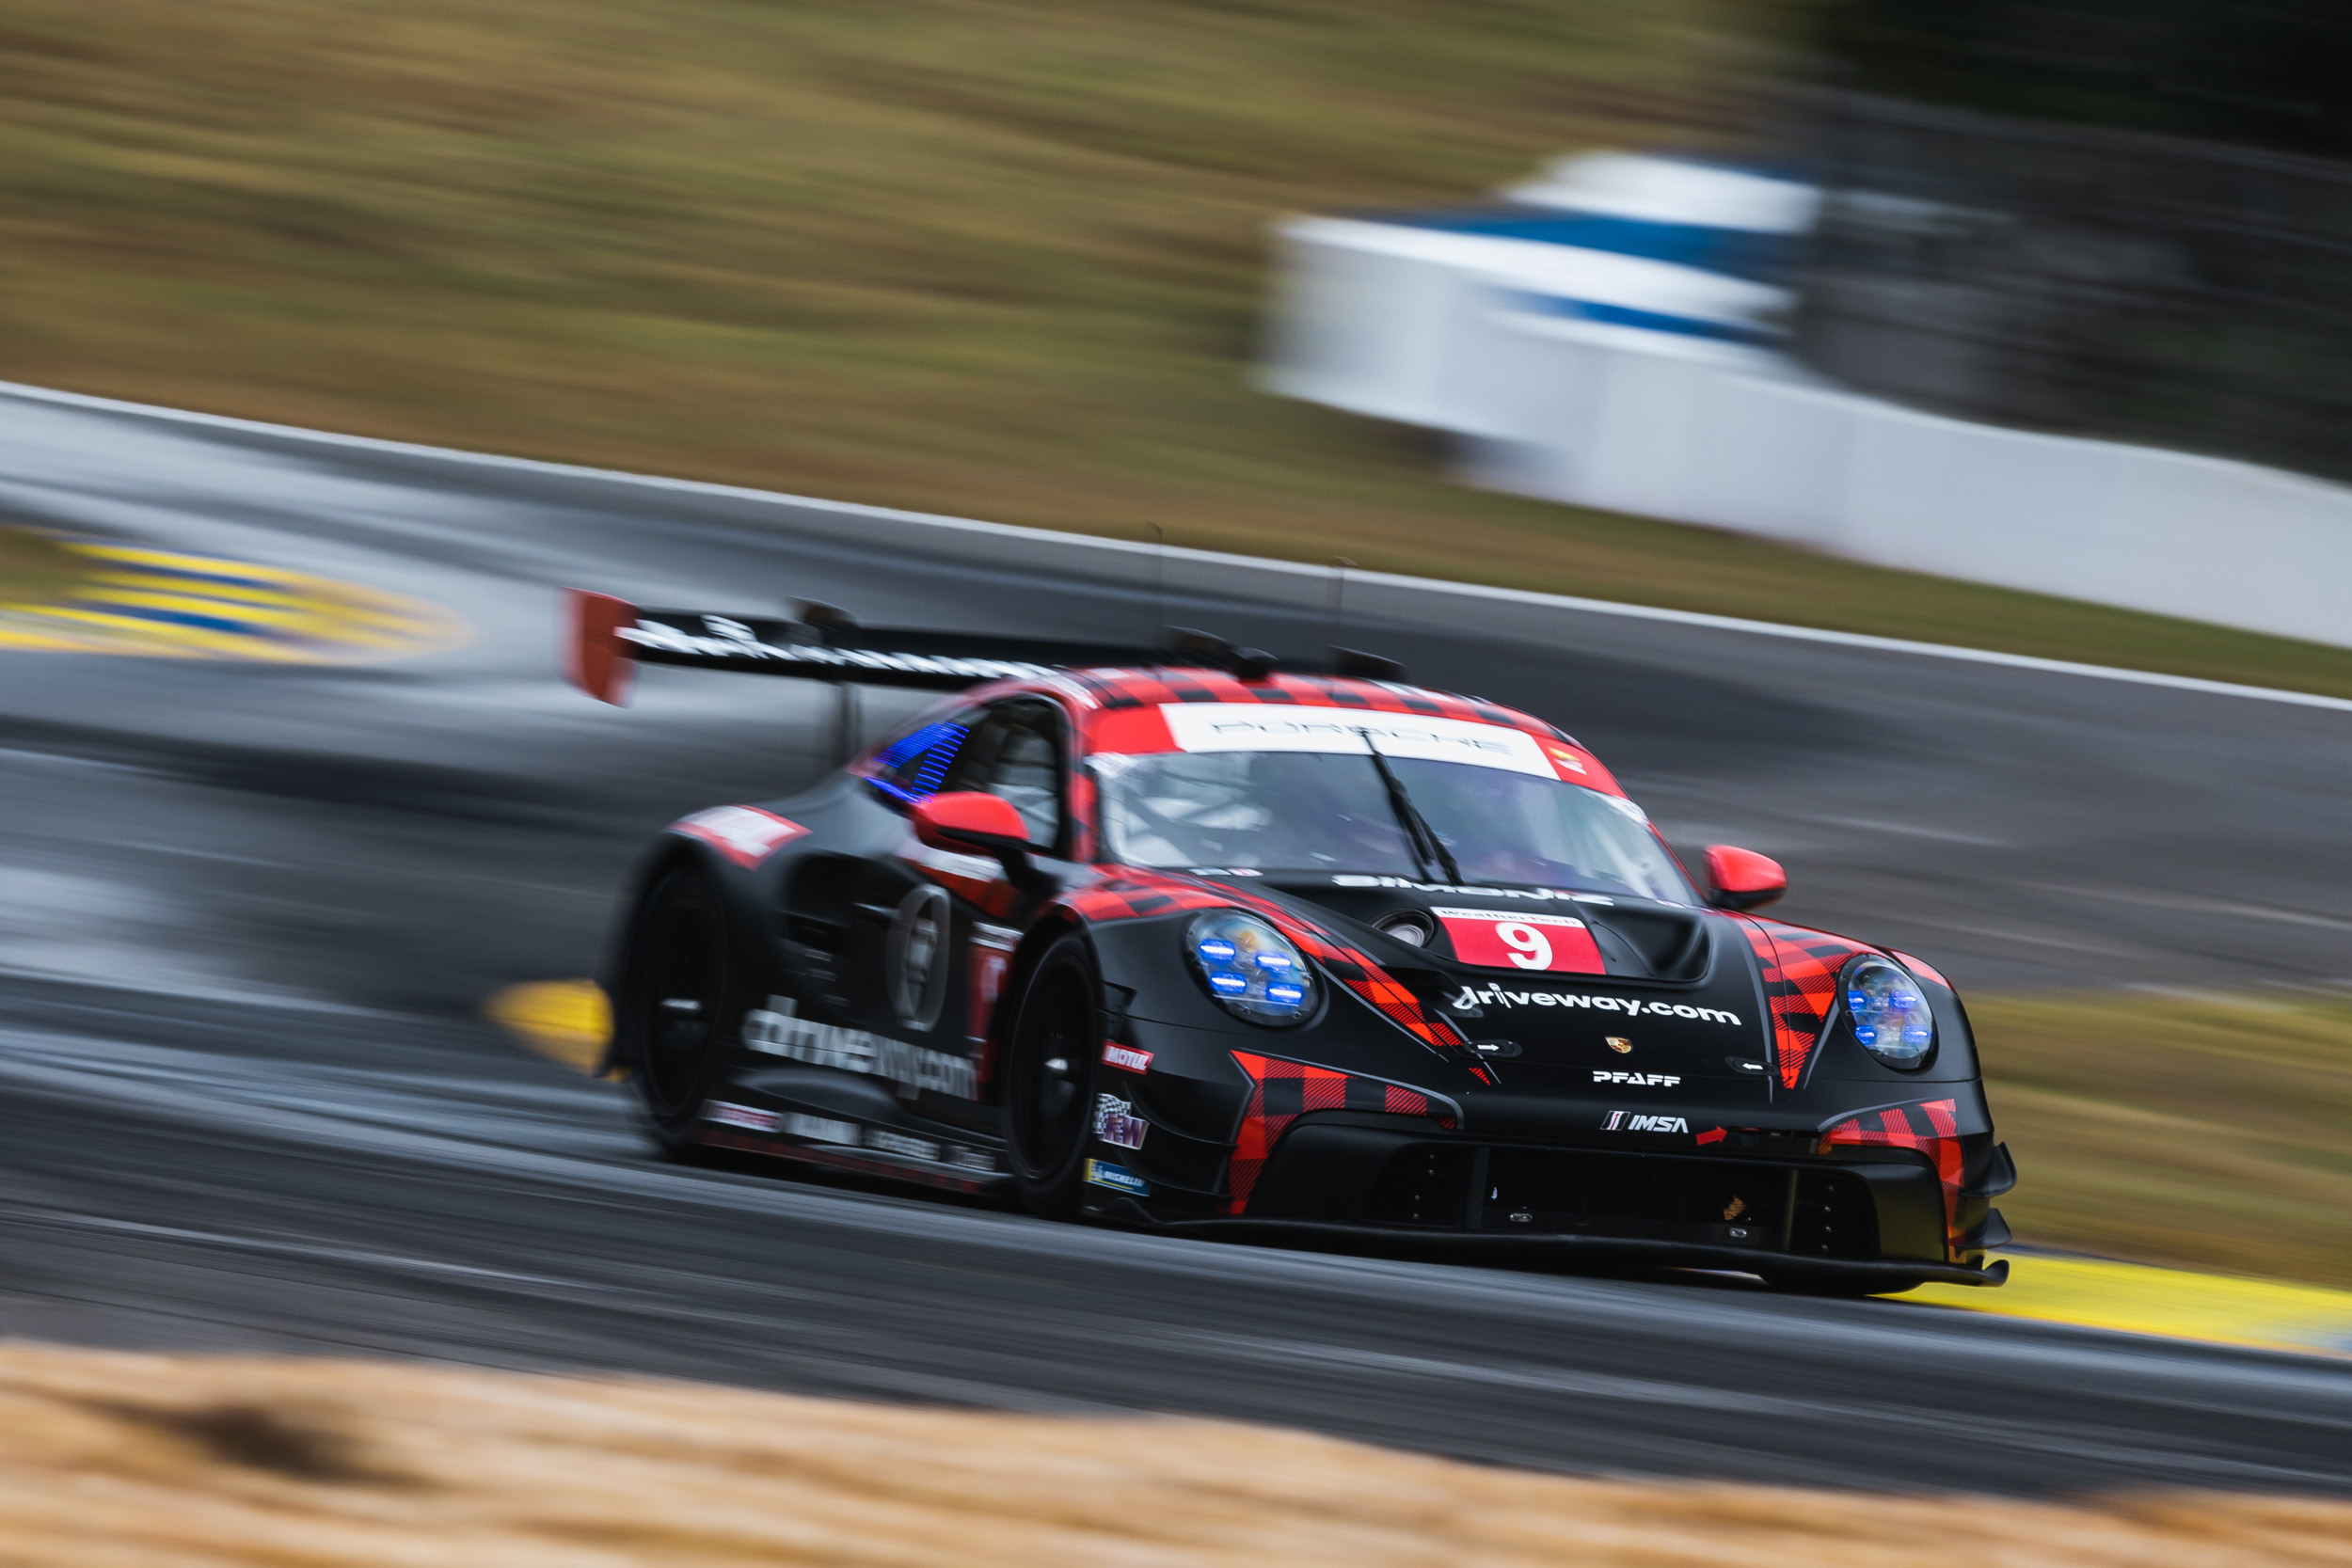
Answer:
(1079, 542)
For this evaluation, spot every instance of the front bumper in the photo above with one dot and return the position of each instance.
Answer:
(1865, 1275)
(1834, 1220)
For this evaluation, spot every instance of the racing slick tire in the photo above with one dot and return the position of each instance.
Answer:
(1049, 1078)
(674, 997)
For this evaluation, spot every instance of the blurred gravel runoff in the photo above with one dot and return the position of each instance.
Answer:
(110, 1459)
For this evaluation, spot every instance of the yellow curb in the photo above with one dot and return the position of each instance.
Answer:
(564, 1021)
(569, 1021)
(2172, 1304)
(267, 614)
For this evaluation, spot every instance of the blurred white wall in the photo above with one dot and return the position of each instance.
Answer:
(1647, 387)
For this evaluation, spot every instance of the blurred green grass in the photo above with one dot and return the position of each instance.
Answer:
(35, 569)
(996, 258)
(2203, 1131)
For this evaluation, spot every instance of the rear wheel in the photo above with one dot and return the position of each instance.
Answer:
(1049, 1078)
(674, 1005)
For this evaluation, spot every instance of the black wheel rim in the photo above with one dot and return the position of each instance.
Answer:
(1050, 1099)
(678, 998)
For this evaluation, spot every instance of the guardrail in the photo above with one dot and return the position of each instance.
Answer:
(1699, 427)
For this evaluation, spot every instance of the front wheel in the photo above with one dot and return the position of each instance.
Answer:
(1049, 1079)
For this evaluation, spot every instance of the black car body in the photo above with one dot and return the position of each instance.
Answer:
(993, 953)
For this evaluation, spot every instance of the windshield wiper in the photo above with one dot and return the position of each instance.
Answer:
(1428, 849)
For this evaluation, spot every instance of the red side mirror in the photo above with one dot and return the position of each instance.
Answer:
(1744, 879)
(970, 819)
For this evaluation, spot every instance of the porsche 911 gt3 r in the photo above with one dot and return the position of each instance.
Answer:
(1177, 939)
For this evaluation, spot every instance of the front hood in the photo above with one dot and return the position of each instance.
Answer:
(1664, 1001)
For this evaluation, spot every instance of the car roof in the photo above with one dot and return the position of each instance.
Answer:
(1113, 689)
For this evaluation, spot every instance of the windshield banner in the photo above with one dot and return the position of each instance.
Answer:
(1283, 727)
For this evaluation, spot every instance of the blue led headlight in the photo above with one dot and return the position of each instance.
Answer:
(1889, 1015)
(1250, 967)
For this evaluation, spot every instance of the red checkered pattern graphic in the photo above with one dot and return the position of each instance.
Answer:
(1126, 894)
(1131, 894)
(1929, 1126)
(1800, 985)
(1084, 843)
(1282, 1091)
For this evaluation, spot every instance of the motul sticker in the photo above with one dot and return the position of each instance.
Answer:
(746, 834)
(1508, 938)
(1126, 1057)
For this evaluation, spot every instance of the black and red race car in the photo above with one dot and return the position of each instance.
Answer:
(1179, 938)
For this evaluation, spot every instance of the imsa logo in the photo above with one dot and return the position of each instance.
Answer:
(1620, 1122)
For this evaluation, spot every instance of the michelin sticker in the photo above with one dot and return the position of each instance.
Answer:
(778, 1030)
(1104, 1174)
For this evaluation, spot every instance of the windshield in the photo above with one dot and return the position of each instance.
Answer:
(1321, 811)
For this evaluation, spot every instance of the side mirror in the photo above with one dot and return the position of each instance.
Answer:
(1744, 879)
(971, 819)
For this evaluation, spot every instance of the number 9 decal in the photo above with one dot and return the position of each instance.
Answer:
(1510, 939)
(1530, 948)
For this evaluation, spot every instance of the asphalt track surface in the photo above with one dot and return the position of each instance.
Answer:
(248, 914)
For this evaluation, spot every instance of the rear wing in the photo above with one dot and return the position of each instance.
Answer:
(606, 637)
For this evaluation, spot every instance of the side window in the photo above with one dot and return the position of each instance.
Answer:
(914, 764)
(1015, 753)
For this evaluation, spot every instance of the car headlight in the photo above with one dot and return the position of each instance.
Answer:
(1888, 1012)
(1250, 967)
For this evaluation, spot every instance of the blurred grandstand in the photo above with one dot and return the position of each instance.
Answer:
(2010, 328)
(2109, 217)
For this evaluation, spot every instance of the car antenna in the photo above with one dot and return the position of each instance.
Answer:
(1336, 619)
(824, 622)
(1159, 576)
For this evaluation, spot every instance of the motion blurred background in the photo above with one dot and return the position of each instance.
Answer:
(1047, 263)
(1010, 258)
(2109, 218)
